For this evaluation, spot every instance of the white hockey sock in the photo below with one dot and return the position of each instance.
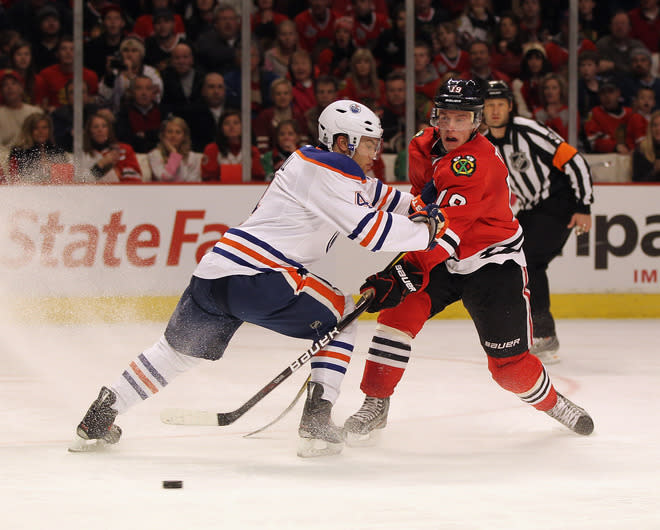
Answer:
(330, 364)
(153, 369)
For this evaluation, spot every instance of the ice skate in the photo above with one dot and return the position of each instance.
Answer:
(546, 349)
(364, 427)
(318, 435)
(569, 414)
(97, 429)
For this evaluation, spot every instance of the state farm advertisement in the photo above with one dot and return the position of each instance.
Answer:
(145, 240)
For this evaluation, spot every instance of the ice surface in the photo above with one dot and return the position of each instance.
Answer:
(458, 453)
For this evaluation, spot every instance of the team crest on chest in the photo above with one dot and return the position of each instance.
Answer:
(519, 161)
(463, 165)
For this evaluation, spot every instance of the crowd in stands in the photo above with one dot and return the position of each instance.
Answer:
(162, 78)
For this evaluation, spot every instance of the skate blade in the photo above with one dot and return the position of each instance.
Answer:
(313, 447)
(354, 439)
(80, 445)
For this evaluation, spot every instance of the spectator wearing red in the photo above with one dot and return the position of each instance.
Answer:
(481, 67)
(362, 83)
(227, 150)
(553, 112)
(56, 76)
(281, 93)
(645, 23)
(277, 58)
(20, 60)
(606, 128)
(336, 59)
(428, 14)
(104, 159)
(507, 46)
(643, 105)
(346, 7)
(139, 119)
(173, 160)
(144, 25)
(450, 58)
(301, 72)
(315, 26)
(368, 23)
(557, 48)
(264, 22)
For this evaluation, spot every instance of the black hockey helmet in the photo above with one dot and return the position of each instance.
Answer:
(498, 90)
(459, 94)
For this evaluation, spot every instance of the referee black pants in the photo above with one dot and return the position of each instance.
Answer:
(545, 236)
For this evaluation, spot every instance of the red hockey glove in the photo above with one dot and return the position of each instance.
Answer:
(434, 218)
(390, 287)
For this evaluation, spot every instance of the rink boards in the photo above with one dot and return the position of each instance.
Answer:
(118, 252)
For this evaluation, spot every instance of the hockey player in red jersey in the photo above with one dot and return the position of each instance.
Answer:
(478, 259)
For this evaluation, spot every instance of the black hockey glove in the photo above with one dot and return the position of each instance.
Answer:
(390, 287)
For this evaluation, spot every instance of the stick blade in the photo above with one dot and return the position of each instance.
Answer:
(189, 417)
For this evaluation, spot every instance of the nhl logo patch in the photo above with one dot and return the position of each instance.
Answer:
(463, 165)
(519, 161)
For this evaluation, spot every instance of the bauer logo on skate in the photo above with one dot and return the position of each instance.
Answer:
(144, 240)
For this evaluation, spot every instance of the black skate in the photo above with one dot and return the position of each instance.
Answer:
(318, 435)
(569, 414)
(97, 428)
(363, 427)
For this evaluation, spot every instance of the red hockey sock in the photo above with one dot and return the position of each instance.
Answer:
(379, 380)
(525, 376)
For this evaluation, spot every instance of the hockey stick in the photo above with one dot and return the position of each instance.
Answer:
(285, 411)
(200, 417)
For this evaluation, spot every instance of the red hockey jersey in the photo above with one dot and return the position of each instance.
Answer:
(473, 191)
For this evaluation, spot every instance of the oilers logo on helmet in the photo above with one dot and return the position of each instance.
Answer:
(355, 108)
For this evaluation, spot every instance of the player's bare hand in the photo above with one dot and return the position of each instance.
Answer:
(581, 222)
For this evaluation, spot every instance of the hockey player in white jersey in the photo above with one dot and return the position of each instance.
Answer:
(258, 273)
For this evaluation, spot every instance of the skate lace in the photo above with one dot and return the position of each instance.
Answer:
(566, 412)
(370, 409)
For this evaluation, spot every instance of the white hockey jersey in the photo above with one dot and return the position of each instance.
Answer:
(314, 196)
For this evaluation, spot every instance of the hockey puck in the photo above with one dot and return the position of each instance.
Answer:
(172, 484)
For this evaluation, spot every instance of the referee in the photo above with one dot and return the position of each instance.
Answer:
(552, 182)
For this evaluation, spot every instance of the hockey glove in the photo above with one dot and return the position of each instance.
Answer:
(391, 286)
(434, 218)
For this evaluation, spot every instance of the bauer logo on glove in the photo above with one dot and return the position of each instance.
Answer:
(390, 287)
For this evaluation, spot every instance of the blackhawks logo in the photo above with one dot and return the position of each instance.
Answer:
(463, 165)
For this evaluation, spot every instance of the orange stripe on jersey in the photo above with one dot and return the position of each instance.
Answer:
(334, 355)
(389, 190)
(347, 175)
(143, 377)
(563, 154)
(254, 254)
(373, 230)
(336, 300)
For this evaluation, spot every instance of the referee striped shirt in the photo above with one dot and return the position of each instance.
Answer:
(539, 162)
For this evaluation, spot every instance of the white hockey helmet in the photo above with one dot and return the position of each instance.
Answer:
(350, 118)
